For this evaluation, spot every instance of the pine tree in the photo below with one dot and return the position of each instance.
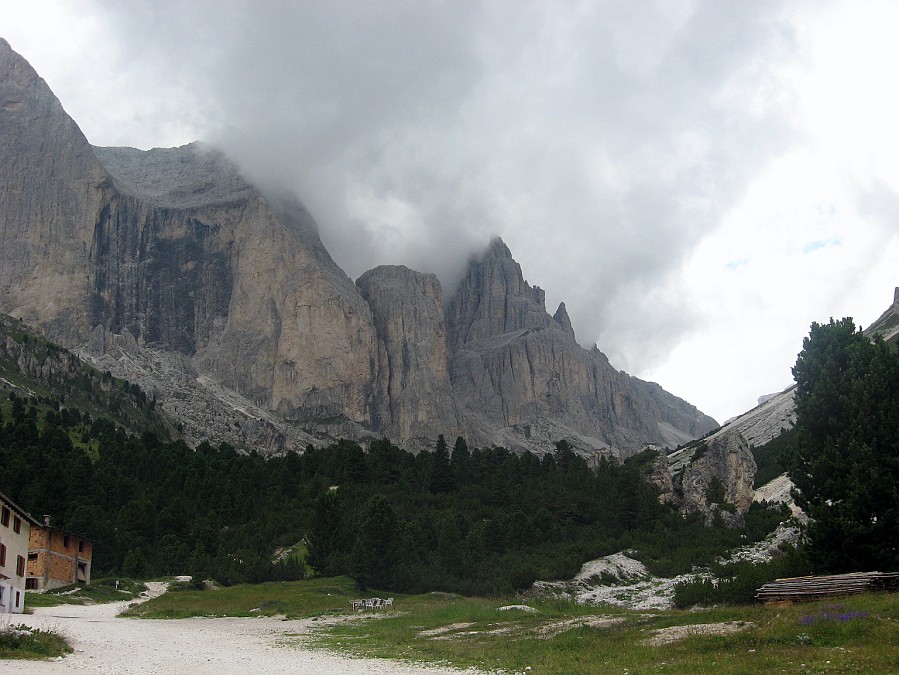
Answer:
(845, 458)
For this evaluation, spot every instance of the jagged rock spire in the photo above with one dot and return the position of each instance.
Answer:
(561, 317)
(494, 299)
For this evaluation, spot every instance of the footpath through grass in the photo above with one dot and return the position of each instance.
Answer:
(859, 634)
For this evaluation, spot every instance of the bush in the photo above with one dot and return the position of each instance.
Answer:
(737, 583)
(23, 642)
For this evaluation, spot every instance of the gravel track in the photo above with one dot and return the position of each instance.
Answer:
(105, 643)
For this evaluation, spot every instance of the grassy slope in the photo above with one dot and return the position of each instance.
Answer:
(865, 639)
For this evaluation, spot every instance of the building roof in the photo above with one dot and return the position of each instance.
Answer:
(18, 509)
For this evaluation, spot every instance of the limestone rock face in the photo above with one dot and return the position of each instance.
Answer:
(412, 396)
(176, 248)
(494, 299)
(51, 191)
(725, 460)
(190, 257)
(514, 367)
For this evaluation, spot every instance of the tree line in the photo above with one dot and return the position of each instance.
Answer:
(483, 520)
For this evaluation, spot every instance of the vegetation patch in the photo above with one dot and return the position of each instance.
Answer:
(97, 592)
(23, 642)
(308, 598)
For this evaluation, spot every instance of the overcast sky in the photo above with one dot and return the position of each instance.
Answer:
(697, 181)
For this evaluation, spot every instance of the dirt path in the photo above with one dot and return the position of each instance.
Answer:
(106, 644)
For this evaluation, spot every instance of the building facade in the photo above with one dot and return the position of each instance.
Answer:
(15, 533)
(57, 558)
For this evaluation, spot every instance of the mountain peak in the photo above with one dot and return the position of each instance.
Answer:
(498, 249)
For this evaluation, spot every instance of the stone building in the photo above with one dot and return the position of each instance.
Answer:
(57, 558)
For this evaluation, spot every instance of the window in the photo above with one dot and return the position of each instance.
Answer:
(20, 566)
(80, 546)
(4, 518)
(31, 584)
(65, 541)
(32, 556)
(2, 555)
(16, 524)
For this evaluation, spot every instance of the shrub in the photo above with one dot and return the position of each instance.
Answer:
(22, 642)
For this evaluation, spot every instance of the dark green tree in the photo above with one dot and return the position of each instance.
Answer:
(327, 537)
(441, 478)
(374, 556)
(845, 456)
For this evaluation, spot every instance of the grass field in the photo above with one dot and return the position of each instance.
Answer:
(294, 599)
(99, 591)
(859, 634)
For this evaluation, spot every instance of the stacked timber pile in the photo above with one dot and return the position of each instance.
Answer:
(800, 589)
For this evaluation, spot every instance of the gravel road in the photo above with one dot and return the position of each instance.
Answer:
(105, 643)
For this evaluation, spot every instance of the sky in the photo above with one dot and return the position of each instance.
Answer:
(698, 180)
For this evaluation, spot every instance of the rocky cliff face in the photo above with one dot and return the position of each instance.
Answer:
(190, 257)
(51, 191)
(170, 269)
(176, 248)
(520, 375)
(412, 393)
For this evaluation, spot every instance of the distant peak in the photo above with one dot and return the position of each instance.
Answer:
(498, 249)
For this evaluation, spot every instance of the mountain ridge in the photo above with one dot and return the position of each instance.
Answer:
(168, 265)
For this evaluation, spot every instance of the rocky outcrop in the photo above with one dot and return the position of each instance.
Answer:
(726, 462)
(412, 394)
(708, 474)
(167, 267)
(660, 476)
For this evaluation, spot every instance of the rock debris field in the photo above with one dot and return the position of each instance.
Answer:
(105, 643)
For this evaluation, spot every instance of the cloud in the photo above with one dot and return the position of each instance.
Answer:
(813, 246)
(650, 164)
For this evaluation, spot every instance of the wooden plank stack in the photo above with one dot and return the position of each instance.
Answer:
(803, 589)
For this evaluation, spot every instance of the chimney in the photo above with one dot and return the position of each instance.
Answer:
(46, 520)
